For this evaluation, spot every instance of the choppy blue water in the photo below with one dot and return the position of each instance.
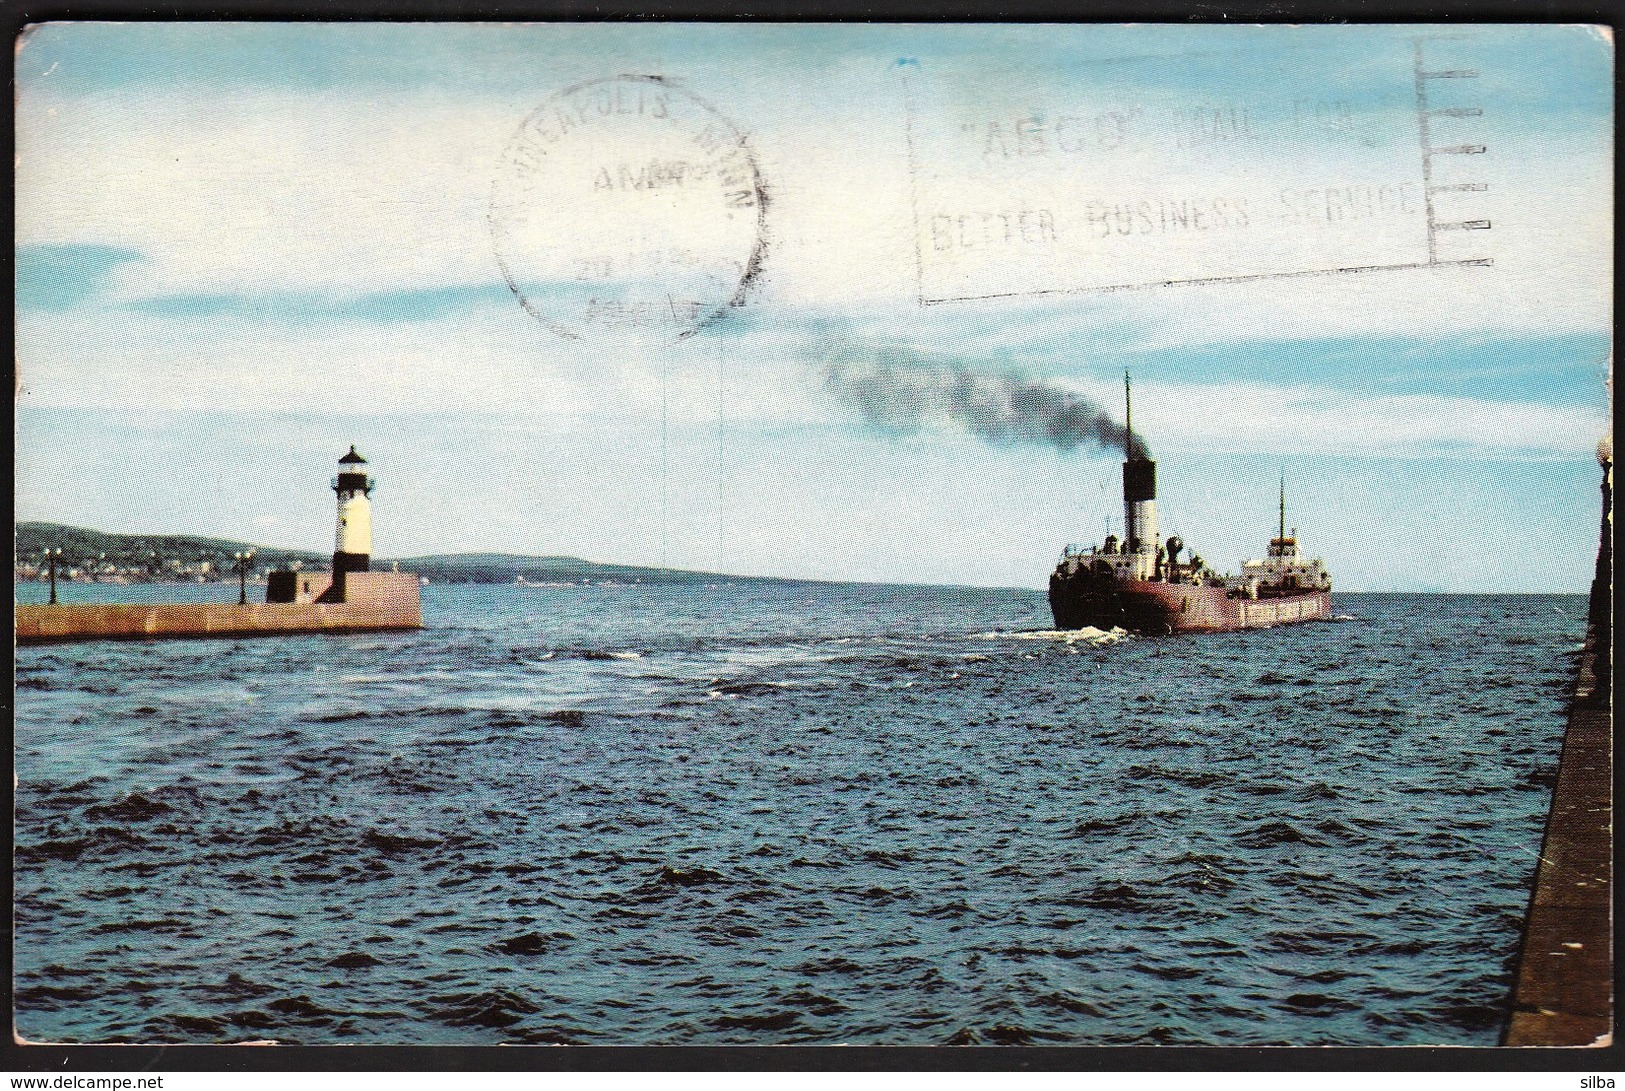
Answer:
(788, 813)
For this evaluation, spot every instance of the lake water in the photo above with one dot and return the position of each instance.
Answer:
(787, 813)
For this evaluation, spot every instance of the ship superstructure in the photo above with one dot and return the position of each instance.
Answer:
(1284, 570)
(1139, 582)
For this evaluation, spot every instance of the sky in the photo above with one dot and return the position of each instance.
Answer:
(242, 248)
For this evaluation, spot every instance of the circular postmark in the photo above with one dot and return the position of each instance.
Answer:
(628, 208)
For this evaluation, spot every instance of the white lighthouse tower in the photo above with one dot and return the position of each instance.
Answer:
(352, 547)
(354, 597)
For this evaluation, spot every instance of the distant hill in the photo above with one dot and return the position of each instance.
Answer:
(136, 557)
(158, 554)
(512, 567)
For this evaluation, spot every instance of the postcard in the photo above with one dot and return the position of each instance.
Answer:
(713, 534)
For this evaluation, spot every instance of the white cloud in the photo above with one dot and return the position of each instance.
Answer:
(255, 194)
(1263, 419)
(284, 202)
(249, 191)
(496, 359)
(489, 358)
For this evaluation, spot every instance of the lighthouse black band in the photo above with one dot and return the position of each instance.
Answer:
(1139, 479)
(351, 562)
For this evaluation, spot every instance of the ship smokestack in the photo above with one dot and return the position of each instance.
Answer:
(1140, 530)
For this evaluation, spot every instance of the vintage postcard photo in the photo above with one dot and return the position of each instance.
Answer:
(712, 534)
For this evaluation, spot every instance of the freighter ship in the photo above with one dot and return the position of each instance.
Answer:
(1138, 583)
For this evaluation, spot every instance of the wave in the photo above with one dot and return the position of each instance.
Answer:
(697, 876)
(1105, 825)
(1110, 895)
(748, 689)
(111, 839)
(354, 960)
(47, 996)
(1317, 1004)
(396, 844)
(778, 1020)
(302, 1007)
(1088, 633)
(1271, 834)
(490, 1008)
(139, 807)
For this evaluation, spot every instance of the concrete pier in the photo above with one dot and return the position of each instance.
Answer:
(377, 601)
(1564, 992)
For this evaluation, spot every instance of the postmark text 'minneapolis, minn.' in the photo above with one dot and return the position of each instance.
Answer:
(628, 209)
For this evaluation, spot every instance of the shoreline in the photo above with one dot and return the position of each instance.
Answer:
(696, 578)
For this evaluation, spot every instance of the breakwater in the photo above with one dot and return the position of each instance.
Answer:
(1563, 994)
(387, 600)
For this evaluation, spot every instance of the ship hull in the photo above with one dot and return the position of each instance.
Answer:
(1147, 606)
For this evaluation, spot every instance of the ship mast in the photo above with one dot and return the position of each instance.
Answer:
(1282, 534)
(1128, 418)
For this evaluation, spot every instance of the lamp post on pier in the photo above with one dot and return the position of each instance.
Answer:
(245, 561)
(51, 555)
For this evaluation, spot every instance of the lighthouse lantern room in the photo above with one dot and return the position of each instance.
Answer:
(352, 548)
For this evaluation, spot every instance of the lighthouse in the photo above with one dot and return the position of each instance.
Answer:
(353, 596)
(352, 546)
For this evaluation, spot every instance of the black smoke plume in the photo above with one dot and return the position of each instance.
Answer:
(899, 393)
